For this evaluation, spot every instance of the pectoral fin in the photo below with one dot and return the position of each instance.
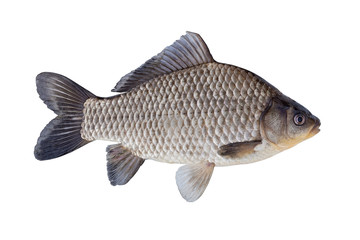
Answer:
(193, 179)
(238, 149)
(122, 164)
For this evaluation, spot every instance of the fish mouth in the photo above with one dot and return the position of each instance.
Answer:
(316, 128)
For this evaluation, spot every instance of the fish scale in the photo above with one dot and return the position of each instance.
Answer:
(182, 117)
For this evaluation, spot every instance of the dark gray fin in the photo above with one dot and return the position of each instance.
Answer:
(238, 149)
(66, 99)
(189, 51)
(121, 164)
(193, 179)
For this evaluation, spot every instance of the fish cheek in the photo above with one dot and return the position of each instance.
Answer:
(293, 131)
(273, 121)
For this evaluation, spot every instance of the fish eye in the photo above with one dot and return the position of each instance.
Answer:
(299, 119)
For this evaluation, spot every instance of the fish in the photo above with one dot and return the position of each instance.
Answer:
(181, 106)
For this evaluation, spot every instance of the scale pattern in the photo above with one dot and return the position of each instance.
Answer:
(182, 117)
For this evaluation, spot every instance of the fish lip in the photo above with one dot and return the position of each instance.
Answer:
(316, 129)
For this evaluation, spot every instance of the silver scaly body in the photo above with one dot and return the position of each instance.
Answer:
(183, 117)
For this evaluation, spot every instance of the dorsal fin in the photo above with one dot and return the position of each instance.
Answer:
(189, 51)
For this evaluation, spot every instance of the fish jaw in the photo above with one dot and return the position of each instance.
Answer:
(316, 129)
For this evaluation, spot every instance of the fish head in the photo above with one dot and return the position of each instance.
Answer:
(285, 123)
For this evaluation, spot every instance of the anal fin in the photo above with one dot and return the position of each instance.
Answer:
(122, 165)
(192, 179)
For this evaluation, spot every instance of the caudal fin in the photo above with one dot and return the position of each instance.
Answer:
(66, 98)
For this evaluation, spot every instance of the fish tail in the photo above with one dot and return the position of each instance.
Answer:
(66, 98)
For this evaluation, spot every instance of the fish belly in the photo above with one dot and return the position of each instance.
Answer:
(182, 117)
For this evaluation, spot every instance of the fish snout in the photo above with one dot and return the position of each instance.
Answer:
(316, 127)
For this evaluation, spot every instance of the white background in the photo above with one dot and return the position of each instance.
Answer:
(307, 49)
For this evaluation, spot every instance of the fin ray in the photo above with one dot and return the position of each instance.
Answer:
(238, 149)
(122, 165)
(53, 142)
(66, 98)
(192, 179)
(189, 51)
